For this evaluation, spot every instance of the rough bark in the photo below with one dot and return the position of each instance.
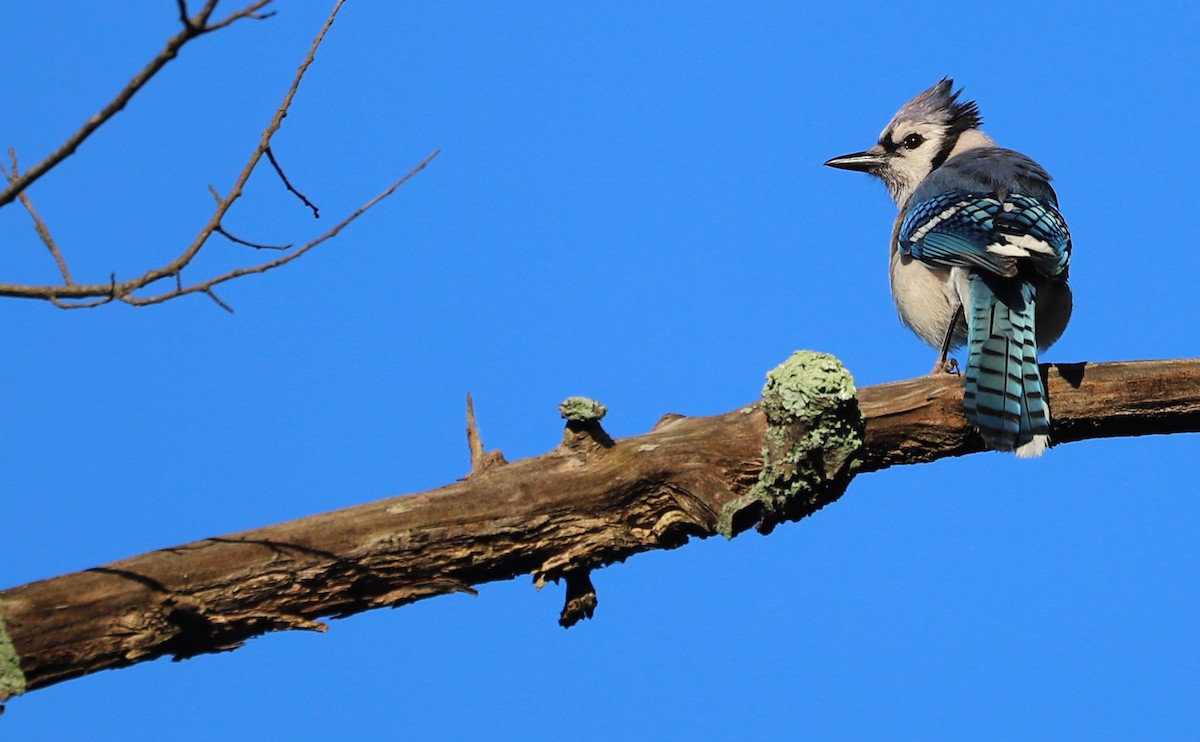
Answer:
(590, 502)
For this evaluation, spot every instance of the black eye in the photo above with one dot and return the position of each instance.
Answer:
(912, 141)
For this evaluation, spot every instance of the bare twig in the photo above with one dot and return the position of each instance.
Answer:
(474, 442)
(71, 295)
(80, 305)
(60, 296)
(250, 11)
(192, 28)
(481, 461)
(264, 142)
(288, 184)
(39, 226)
(206, 285)
(213, 295)
(43, 233)
(183, 13)
(221, 231)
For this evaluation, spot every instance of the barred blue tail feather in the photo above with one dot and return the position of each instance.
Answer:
(1003, 394)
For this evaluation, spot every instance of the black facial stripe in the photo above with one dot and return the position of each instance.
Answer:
(947, 147)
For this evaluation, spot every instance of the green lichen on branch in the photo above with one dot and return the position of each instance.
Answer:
(582, 410)
(814, 432)
(12, 679)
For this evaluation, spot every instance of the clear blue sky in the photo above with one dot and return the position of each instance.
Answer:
(630, 205)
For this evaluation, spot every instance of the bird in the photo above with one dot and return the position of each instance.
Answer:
(979, 256)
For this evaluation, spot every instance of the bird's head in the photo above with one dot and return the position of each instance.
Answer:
(923, 134)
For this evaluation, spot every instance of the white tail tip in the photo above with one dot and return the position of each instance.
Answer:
(1033, 448)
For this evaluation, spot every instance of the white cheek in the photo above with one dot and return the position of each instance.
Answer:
(914, 166)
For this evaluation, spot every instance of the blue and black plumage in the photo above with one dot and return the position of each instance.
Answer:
(993, 213)
(980, 254)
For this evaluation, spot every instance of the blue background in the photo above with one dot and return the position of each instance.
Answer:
(630, 205)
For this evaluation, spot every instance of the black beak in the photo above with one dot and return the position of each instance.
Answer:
(869, 161)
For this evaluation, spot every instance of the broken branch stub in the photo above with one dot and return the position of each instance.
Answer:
(815, 431)
(583, 431)
(580, 601)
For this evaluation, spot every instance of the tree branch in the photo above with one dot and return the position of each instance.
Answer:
(39, 226)
(288, 184)
(73, 295)
(192, 28)
(206, 286)
(579, 507)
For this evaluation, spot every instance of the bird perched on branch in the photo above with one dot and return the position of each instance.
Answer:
(979, 254)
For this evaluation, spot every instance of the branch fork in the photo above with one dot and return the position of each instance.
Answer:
(71, 294)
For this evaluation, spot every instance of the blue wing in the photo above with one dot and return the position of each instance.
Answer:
(1024, 220)
(986, 232)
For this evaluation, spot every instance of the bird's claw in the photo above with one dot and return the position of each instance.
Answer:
(945, 366)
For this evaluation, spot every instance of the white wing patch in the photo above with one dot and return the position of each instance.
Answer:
(1032, 244)
(1007, 250)
(1020, 246)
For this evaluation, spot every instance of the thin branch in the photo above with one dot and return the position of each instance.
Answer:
(221, 231)
(39, 226)
(553, 516)
(474, 441)
(250, 11)
(205, 286)
(213, 295)
(183, 13)
(81, 305)
(264, 142)
(44, 234)
(288, 184)
(75, 296)
(481, 461)
(124, 290)
(191, 30)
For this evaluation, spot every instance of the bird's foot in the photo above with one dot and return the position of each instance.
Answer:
(945, 366)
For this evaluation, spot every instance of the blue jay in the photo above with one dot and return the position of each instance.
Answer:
(979, 254)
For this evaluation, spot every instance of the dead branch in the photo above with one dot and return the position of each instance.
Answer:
(556, 516)
(73, 295)
(288, 184)
(239, 241)
(206, 286)
(193, 27)
(481, 460)
(39, 226)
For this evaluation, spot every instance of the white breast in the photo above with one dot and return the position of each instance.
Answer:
(926, 297)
